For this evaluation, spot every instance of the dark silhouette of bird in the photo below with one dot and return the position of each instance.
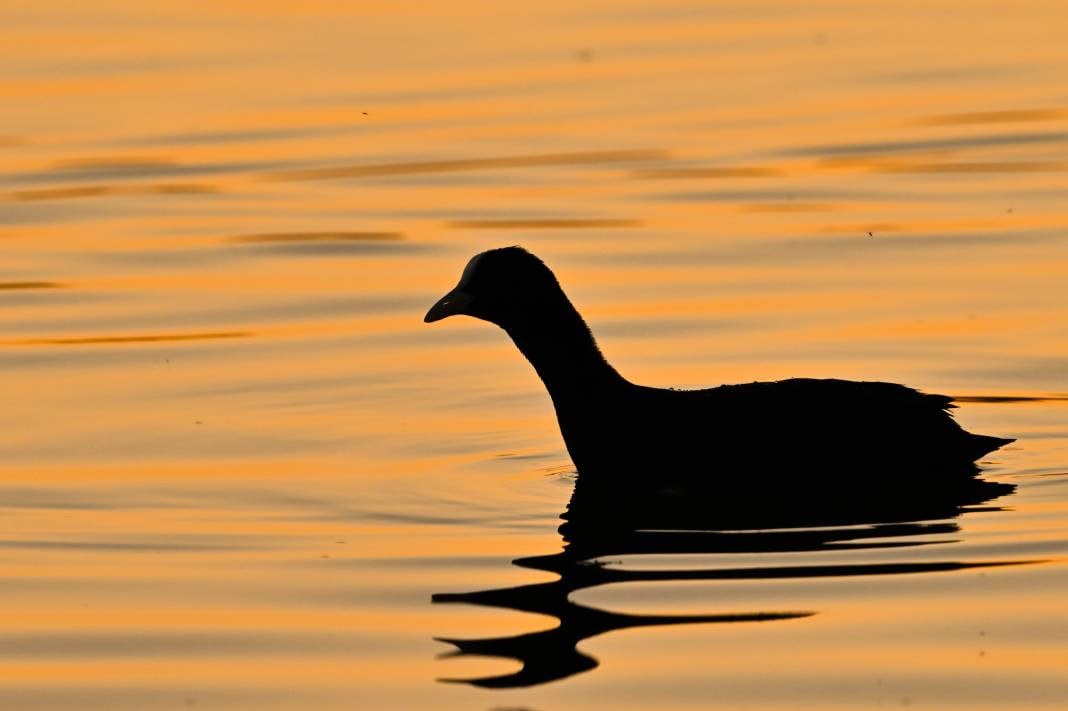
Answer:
(789, 432)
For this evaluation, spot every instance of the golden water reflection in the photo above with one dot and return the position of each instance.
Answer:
(236, 466)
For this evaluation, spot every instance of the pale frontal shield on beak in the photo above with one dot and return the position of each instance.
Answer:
(451, 304)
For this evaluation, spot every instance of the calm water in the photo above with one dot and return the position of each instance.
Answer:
(237, 467)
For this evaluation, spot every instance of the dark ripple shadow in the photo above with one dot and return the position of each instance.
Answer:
(178, 643)
(337, 249)
(784, 196)
(47, 497)
(927, 144)
(133, 167)
(982, 72)
(542, 224)
(795, 206)
(225, 136)
(142, 338)
(76, 192)
(602, 522)
(1004, 399)
(298, 237)
(318, 244)
(706, 173)
(971, 118)
(439, 94)
(468, 164)
(134, 64)
(965, 167)
(22, 285)
(22, 213)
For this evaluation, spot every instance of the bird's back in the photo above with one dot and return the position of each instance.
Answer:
(797, 427)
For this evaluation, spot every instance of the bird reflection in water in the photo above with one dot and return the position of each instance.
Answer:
(602, 523)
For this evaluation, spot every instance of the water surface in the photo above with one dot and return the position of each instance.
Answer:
(240, 472)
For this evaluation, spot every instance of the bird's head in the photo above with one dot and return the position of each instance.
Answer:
(500, 286)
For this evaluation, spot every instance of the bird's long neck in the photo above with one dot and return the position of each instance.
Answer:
(562, 350)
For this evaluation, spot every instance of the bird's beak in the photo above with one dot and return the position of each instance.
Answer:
(451, 304)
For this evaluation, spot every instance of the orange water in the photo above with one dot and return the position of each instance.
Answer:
(236, 464)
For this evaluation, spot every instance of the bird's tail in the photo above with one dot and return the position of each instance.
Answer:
(978, 445)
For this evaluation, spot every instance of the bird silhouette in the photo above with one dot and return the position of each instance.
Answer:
(790, 432)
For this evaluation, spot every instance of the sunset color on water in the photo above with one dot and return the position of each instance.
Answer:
(239, 471)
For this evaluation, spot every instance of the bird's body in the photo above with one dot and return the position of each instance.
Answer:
(733, 434)
(799, 426)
